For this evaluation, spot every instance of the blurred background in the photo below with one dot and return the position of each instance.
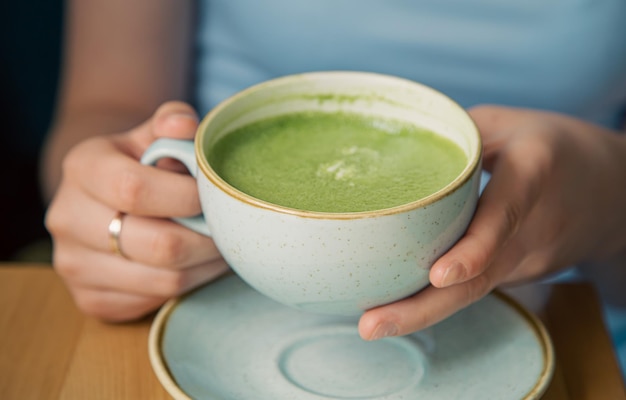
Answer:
(30, 53)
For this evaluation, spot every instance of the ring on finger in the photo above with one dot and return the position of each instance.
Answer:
(115, 229)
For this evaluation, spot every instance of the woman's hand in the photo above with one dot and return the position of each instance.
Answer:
(161, 259)
(556, 197)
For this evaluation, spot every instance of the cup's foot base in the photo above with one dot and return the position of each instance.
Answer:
(335, 362)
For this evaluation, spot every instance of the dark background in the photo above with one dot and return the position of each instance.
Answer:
(30, 53)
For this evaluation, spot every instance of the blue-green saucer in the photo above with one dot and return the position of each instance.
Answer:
(226, 341)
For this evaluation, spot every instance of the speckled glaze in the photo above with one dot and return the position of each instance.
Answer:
(332, 263)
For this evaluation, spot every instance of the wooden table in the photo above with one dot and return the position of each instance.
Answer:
(48, 350)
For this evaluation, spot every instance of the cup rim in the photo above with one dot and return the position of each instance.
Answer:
(206, 169)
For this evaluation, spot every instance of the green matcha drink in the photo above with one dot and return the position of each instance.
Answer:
(336, 162)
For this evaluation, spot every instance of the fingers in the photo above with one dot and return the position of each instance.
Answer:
(118, 180)
(113, 306)
(488, 253)
(151, 241)
(497, 124)
(518, 230)
(113, 288)
(173, 119)
(107, 167)
(110, 302)
(82, 267)
(427, 307)
(162, 259)
(433, 304)
(82, 257)
(516, 183)
(176, 120)
(164, 243)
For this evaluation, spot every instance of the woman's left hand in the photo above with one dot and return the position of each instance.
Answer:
(557, 196)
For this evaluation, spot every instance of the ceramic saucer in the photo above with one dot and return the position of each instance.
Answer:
(226, 341)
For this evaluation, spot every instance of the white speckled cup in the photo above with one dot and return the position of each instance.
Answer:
(334, 263)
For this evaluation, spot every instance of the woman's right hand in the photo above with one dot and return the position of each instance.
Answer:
(161, 259)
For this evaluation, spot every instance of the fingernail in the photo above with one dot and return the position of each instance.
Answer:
(384, 329)
(454, 273)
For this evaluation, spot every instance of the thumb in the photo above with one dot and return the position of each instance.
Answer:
(175, 119)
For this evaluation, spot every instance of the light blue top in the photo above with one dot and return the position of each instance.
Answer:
(562, 55)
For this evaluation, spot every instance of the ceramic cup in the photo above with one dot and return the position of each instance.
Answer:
(333, 263)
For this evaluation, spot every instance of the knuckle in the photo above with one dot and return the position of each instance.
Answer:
(534, 161)
(72, 162)
(168, 248)
(54, 221)
(59, 227)
(513, 215)
(542, 159)
(58, 218)
(78, 157)
(130, 190)
(65, 265)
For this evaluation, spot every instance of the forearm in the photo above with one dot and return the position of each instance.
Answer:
(121, 61)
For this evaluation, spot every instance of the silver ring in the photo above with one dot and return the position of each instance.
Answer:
(115, 228)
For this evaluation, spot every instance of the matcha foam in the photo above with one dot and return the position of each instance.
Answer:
(336, 162)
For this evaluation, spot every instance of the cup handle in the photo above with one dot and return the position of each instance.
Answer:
(183, 151)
